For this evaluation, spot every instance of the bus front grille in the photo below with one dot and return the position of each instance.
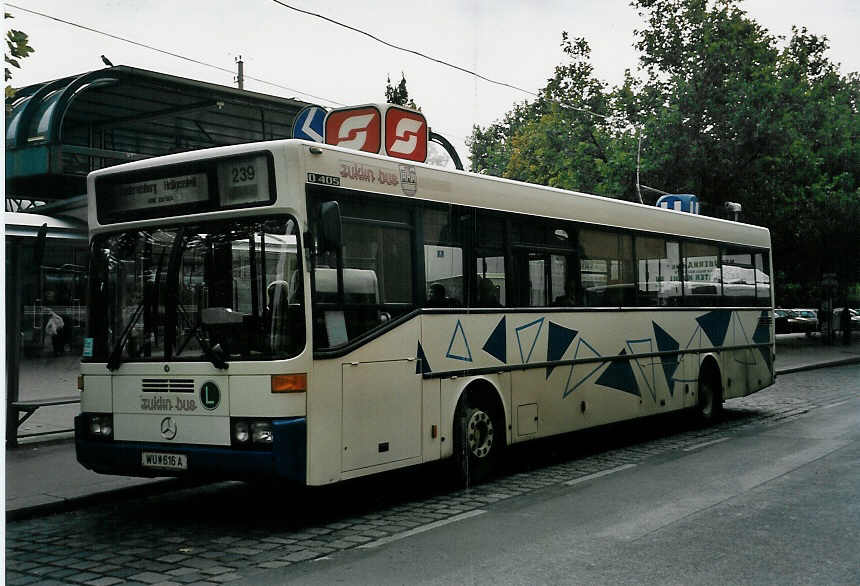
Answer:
(167, 385)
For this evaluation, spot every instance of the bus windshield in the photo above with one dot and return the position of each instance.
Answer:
(213, 291)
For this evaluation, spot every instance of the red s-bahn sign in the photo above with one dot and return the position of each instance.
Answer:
(403, 134)
(355, 128)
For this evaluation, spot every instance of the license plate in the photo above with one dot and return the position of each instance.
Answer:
(164, 461)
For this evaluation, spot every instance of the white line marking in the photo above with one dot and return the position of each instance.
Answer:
(836, 404)
(588, 477)
(422, 529)
(710, 443)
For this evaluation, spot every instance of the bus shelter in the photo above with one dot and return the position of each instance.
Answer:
(56, 133)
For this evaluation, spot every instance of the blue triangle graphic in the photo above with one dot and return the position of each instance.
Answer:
(539, 323)
(666, 343)
(422, 366)
(619, 376)
(761, 335)
(497, 344)
(465, 345)
(748, 358)
(715, 324)
(648, 382)
(559, 339)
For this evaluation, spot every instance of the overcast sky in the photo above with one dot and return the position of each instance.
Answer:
(516, 42)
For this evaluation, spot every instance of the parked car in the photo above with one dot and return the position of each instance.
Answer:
(837, 319)
(787, 321)
(780, 321)
(811, 317)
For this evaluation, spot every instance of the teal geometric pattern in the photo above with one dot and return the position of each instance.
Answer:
(666, 343)
(643, 349)
(740, 338)
(761, 335)
(422, 367)
(619, 376)
(524, 328)
(715, 324)
(559, 339)
(497, 344)
(589, 353)
(462, 351)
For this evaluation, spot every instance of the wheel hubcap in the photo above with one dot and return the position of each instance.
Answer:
(480, 434)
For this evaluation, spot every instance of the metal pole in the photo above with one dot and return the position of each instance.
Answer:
(638, 158)
(13, 338)
(240, 78)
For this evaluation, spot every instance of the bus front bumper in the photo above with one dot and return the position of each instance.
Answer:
(285, 460)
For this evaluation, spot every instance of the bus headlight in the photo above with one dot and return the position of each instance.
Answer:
(261, 432)
(100, 425)
(240, 432)
(252, 433)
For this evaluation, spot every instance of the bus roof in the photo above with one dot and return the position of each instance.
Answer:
(362, 171)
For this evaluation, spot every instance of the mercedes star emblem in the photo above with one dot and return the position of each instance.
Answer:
(168, 428)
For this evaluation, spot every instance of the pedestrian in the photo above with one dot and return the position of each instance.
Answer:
(845, 324)
(54, 328)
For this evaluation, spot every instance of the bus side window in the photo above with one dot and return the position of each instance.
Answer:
(443, 259)
(702, 276)
(606, 268)
(490, 276)
(658, 271)
(762, 279)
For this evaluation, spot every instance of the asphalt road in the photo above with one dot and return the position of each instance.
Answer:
(770, 495)
(776, 506)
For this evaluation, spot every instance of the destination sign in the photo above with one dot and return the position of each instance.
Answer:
(167, 192)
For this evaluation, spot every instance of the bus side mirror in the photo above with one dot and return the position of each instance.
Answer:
(330, 225)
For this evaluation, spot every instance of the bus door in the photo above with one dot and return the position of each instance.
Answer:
(381, 413)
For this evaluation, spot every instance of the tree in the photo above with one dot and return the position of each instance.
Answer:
(398, 94)
(729, 115)
(724, 110)
(566, 138)
(17, 47)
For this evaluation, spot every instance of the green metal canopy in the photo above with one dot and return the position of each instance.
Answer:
(58, 131)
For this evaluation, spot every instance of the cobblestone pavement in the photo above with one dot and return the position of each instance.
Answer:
(230, 531)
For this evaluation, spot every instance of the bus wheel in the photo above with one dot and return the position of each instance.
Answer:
(710, 404)
(478, 441)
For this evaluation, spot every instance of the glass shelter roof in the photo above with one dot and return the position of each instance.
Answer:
(58, 131)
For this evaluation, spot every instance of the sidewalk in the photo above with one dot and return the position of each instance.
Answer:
(44, 477)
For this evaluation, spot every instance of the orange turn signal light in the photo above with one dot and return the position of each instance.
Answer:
(290, 383)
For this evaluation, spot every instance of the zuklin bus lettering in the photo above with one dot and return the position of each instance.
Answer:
(167, 404)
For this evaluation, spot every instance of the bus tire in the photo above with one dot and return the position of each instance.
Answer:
(709, 406)
(479, 437)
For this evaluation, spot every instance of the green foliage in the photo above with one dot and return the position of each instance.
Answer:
(724, 110)
(17, 47)
(398, 94)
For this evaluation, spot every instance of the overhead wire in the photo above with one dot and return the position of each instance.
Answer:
(327, 19)
(428, 57)
(170, 53)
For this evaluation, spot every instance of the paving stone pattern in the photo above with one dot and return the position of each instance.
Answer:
(229, 531)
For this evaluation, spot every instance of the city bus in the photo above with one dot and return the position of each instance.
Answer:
(305, 312)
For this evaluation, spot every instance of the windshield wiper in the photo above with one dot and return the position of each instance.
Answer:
(116, 355)
(214, 354)
(115, 358)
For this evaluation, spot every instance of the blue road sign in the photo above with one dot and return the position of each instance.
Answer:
(308, 123)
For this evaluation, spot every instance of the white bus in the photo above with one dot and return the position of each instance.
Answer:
(301, 311)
